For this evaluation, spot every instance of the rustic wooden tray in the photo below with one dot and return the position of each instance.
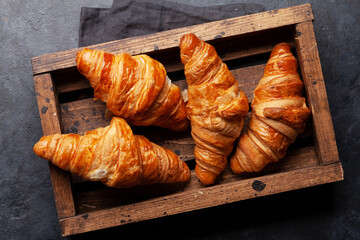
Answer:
(244, 43)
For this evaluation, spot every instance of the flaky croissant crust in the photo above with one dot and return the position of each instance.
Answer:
(279, 114)
(135, 88)
(216, 106)
(114, 156)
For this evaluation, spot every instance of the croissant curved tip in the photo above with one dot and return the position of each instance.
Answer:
(279, 48)
(188, 38)
(185, 177)
(188, 43)
(235, 166)
(207, 178)
(188, 35)
(41, 146)
(79, 53)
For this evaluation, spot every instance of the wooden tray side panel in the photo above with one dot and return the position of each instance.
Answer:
(50, 122)
(170, 39)
(201, 198)
(91, 196)
(66, 111)
(310, 66)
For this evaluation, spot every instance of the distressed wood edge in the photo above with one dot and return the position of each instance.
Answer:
(310, 66)
(199, 198)
(50, 121)
(236, 26)
(47, 104)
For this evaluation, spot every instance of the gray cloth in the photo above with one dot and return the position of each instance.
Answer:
(128, 18)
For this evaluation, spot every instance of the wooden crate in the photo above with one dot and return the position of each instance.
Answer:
(244, 43)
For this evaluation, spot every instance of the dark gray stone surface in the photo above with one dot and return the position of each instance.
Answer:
(27, 209)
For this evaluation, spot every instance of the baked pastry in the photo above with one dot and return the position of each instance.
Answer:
(216, 106)
(279, 114)
(135, 88)
(114, 156)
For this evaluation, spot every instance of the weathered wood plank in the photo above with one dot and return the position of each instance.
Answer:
(247, 77)
(50, 122)
(86, 114)
(170, 39)
(310, 66)
(46, 99)
(201, 198)
(74, 85)
(101, 207)
(99, 197)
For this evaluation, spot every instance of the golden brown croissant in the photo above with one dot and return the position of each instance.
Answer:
(135, 88)
(114, 156)
(216, 106)
(278, 115)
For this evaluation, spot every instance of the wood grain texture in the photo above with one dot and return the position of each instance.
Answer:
(86, 114)
(83, 115)
(170, 39)
(310, 66)
(201, 198)
(50, 122)
(239, 41)
(100, 197)
(88, 109)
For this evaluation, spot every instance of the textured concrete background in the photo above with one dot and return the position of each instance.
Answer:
(27, 209)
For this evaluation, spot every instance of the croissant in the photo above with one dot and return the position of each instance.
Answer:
(135, 88)
(114, 156)
(279, 114)
(216, 106)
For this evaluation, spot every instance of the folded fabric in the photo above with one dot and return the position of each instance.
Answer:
(129, 18)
